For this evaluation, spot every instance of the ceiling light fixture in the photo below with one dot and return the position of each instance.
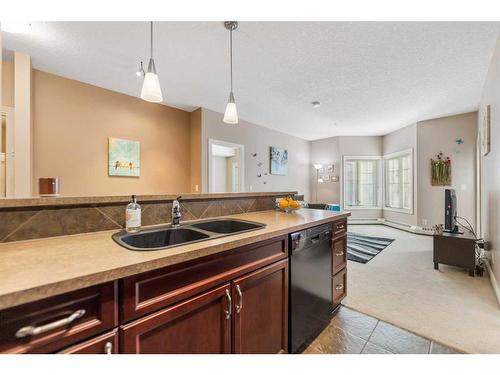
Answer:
(15, 27)
(231, 113)
(140, 72)
(151, 90)
(316, 104)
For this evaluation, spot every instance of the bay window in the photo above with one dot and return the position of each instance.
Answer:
(398, 181)
(362, 176)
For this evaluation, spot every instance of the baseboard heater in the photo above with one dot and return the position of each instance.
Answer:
(429, 231)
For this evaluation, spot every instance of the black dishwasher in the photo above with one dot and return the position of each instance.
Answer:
(310, 284)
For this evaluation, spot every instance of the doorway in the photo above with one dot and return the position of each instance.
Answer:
(6, 152)
(225, 167)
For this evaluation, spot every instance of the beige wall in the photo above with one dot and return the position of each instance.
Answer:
(326, 152)
(195, 154)
(257, 139)
(490, 171)
(399, 140)
(438, 135)
(8, 83)
(72, 124)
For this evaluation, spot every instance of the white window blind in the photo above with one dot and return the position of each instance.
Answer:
(361, 182)
(398, 171)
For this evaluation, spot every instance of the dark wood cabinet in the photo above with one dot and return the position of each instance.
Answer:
(261, 310)
(339, 286)
(339, 254)
(199, 325)
(148, 292)
(103, 344)
(51, 324)
(236, 301)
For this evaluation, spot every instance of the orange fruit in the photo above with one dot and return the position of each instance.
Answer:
(283, 203)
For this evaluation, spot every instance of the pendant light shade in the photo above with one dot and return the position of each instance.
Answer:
(151, 90)
(231, 113)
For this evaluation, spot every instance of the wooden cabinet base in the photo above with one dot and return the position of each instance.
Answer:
(103, 344)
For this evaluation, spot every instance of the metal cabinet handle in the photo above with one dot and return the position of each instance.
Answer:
(33, 331)
(339, 286)
(341, 226)
(108, 348)
(239, 305)
(229, 304)
(339, 253)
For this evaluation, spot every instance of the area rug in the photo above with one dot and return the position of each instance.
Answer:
(362, 248)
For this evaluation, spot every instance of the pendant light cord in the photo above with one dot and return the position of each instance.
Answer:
(231, 55)
(151, 31)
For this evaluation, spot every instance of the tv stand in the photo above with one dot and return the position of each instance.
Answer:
(455, 249)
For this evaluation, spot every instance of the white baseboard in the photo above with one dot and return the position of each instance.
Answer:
(394, 224)
(493, 280)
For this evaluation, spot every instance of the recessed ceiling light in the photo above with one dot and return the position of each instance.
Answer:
(316, 104)
(16, 27)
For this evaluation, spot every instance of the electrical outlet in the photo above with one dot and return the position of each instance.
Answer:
(424, 222)
(196, 187)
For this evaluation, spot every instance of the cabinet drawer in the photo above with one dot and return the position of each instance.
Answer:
(151, 291)
(103, 344)
(339, 286)
(51, 324)
(339, 227)
(339, 254)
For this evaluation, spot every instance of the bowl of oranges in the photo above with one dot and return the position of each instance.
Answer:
(288, 204)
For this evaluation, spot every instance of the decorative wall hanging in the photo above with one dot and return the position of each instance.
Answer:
(329, 168)
(279, 161)
(441, 171)
(124, 158)
(486, 131)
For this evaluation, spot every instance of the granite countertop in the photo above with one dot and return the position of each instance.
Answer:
(35, 269)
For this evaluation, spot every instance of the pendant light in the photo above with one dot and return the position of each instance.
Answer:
(231, 114)
(151, 90)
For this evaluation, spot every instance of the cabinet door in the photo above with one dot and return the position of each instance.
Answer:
(260, 310)
(199, 325)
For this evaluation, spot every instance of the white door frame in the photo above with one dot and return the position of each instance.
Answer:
(479, 165)
(8, 112)
(211, 142)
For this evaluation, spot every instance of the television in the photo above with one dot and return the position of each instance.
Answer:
(450, 211)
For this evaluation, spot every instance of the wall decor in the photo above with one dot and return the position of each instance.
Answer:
(329, 168)
(124, 158)
(441, 171)
(486, 131)
(334, 178)
(279, 161)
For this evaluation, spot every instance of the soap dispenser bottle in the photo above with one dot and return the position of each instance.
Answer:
(133, 216)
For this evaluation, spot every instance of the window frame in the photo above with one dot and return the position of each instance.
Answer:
(393, 155)
(379, 182)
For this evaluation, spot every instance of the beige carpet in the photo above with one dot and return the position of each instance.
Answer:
(401, 287)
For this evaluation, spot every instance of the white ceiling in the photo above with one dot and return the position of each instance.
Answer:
(370, 77)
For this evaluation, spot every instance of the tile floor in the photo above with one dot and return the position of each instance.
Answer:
(351, 332)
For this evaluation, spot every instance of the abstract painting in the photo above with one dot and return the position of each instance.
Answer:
(279, 161)
(124, 158)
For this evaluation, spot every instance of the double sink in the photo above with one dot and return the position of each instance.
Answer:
(165, 237)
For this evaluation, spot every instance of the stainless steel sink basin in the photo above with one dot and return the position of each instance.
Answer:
(164, 237)
(227, 226)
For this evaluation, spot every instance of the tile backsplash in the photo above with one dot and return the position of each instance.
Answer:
(27, 223)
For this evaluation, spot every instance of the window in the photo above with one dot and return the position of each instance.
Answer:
(398, 172)
(362, 182)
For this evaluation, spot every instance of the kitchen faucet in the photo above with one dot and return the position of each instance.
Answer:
(176, 212)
